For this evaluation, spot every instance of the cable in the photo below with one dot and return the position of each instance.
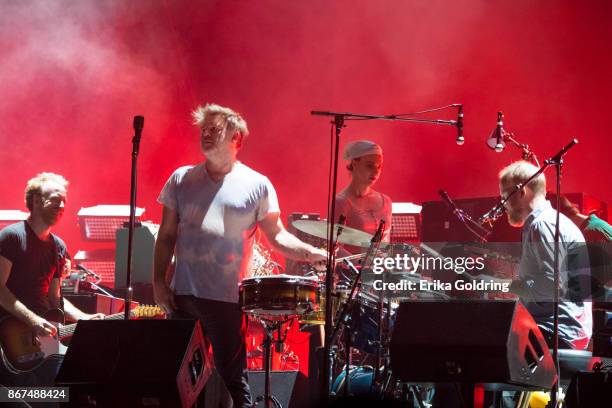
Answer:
(453, 105)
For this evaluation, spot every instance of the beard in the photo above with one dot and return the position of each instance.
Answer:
(515, 218)
(51, 217)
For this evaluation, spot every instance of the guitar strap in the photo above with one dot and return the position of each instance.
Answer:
(60, 261)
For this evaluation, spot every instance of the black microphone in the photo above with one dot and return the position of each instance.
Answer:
(138, 123)
(88, 271)
(460, 138)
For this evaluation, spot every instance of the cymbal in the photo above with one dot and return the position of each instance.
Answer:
(348, 236)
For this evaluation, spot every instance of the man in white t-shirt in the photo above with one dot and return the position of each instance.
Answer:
(211, 212)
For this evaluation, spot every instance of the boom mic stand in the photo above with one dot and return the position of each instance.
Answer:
(138, 125)
(499, 137)
(337, 123)
(495, 212)
(474, 227)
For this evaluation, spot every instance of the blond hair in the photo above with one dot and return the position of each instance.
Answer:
(233, 120)
(35, 185)
(519, 172)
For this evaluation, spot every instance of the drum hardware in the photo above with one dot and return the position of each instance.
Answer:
(343, 318)
(276, 300)
(270, 328)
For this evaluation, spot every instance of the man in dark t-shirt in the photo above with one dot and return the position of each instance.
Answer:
(32, 260)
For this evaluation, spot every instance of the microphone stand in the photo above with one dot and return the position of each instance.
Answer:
(557, 161)
(138, 125)
(474, 227)
(337, 124)
(495, 212)
(527, 154)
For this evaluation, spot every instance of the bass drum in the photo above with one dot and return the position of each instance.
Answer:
(278, 295)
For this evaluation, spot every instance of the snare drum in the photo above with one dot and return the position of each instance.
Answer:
(278, 295)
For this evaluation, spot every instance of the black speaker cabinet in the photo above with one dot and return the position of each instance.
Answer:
(286, 387)
(589, 389)
(136, 363)
(490, 342)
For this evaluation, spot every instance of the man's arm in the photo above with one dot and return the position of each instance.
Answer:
(71, 312)
(289, 245)
(9, 302)
(164, 249)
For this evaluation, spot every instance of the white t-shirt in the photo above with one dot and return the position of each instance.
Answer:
(217, 224)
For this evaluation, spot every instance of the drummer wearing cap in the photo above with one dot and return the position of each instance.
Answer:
(363, 206)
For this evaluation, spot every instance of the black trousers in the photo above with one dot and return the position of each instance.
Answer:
(224, 325)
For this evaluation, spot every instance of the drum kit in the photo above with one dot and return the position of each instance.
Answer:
(278, 299)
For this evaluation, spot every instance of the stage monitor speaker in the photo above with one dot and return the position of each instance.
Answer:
(491, 342)
(284, 385)
(136, 363)
(589, 389)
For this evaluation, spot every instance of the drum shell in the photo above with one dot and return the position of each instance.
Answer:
(277, 295)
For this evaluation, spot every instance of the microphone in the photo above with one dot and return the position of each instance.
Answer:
(499, 133)
(138, 123)
(496, 138)
(460, 138)
(88, 271)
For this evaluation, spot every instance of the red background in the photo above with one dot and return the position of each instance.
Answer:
(74, 74)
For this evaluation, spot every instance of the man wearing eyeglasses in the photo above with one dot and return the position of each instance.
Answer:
(32, 261)
(211, 212)
(529, 210)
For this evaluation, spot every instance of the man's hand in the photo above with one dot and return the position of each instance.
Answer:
(42, 327)
(164, 296)
(318, 258)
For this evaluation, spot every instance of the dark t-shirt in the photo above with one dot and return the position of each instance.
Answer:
(35, 264)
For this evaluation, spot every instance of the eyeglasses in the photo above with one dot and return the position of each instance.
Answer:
(213, 130)
(54, 201)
